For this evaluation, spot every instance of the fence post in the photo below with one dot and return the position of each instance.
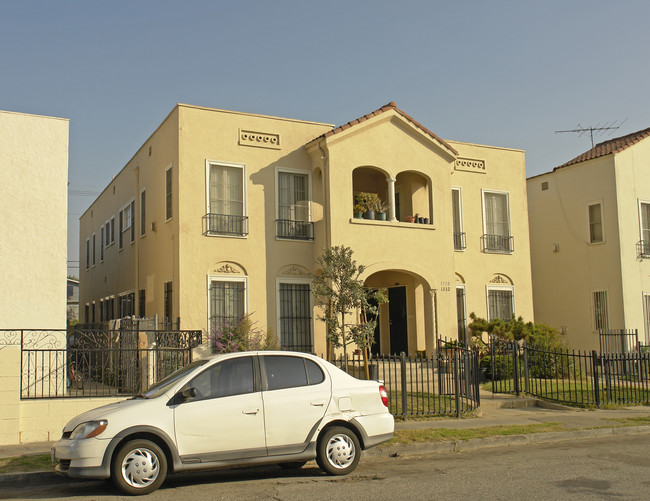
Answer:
(526, 383)
(403, 384)
(457, 383)
(492, 357)
(477, 383)
(515, 367)
(594, 369)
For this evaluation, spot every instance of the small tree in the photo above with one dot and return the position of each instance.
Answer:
(340, 291)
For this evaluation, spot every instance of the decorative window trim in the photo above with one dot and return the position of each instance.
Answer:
(484, 191)
(602, 222)
(286, 280)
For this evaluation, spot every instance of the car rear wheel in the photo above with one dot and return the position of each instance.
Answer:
(339, 451)
(139, 467)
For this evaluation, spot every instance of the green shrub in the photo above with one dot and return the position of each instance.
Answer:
(503, 367)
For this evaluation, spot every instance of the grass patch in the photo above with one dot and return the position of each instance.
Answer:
(443, 434)
(37, 462)
(631, 421)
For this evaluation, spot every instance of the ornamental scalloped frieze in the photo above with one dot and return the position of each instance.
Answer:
(228, 268)
(295, 270)
(499, 280)
(259, 139)
(470, 165)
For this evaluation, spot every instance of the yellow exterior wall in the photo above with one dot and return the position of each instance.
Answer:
(418, 256)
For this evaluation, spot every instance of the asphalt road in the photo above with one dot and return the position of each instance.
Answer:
(611, 468)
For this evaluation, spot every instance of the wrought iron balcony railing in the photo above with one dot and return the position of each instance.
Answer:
(459, 240)
(499, 244)
(295, 230)
(643, 248)
(224, 224)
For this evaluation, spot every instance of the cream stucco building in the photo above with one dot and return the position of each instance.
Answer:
(222, 213)
(590, 241)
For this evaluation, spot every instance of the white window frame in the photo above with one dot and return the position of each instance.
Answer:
(208, 165)
(640, 203)
(498, 192)
(168, 217)
(489, 288)
(602, 222)
(460, 213)
(593, 308)
(87, 254)
(94, 249)
(285, 280)
(127, 222)
(101, 244)
(302, 172)
(143, 212)
(110, 231)
(225, 278)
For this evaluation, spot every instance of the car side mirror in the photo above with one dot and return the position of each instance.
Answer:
(188, 393)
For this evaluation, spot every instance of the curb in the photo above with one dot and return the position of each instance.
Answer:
(43, 478)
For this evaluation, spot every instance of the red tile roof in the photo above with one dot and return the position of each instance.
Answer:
(612, 146)
(387, 107)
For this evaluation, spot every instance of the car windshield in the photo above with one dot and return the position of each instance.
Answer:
(162, 386)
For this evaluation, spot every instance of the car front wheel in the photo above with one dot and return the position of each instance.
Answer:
(339, 451)
(139, 467)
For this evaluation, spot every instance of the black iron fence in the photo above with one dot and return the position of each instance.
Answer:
(225, 224)
(446, 383)
(295, 230)
(618, 340)
(568, 376)
(89, 363)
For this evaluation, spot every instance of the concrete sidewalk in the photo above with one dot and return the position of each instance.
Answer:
(495, 410)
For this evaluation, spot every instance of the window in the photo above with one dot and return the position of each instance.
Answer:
(295, 315)
(457, 212)
(113, 229)
(496, 223)
(227, 378)
(293, 205)
(226, 195)
(143, 213)
(501, 303)
(93, 249)
(131, 216)
(168, 193)
(601, 318)
(596, 224)
(92, 313)
(643, 247)
(289, 372)
(120, 230)
(110, 231)
(168, 301)
(101, 244)
(87, 253)
(101, 310)
(227, 303)
(127, 304)
(87, 313)
(461, 313)
(646, 316)
(142, 303)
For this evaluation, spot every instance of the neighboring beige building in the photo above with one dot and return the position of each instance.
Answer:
(221, 213)
(590, 241)
(33, 248)
(33, 210)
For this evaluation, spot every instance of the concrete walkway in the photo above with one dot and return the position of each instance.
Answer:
(495, 410)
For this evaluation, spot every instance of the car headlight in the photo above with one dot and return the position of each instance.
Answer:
(89, 429)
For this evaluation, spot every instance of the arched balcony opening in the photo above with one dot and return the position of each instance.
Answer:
(413, 201)
(371, 197)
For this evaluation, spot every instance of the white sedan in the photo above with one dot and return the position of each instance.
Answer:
(246, 408)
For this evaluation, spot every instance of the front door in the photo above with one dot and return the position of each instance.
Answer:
(398, 320)
(226, 418)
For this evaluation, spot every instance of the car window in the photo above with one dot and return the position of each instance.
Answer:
(288, 372)
(162, 386)
(227, 378)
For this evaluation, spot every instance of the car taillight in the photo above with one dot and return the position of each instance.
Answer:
(383, 394)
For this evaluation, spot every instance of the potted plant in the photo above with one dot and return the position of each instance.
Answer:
(359, 211)
(368, 201)
(381, 208)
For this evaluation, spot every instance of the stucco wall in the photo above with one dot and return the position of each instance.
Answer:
(33, 210)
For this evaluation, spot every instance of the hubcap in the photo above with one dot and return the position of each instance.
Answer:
(340, 451)
(140, 468)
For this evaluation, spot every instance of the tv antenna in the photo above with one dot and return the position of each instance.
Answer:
(598, 129)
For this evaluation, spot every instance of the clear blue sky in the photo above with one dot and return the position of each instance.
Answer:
(505, 73)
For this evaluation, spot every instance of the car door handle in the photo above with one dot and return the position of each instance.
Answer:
(250, 412)
(318, 403)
